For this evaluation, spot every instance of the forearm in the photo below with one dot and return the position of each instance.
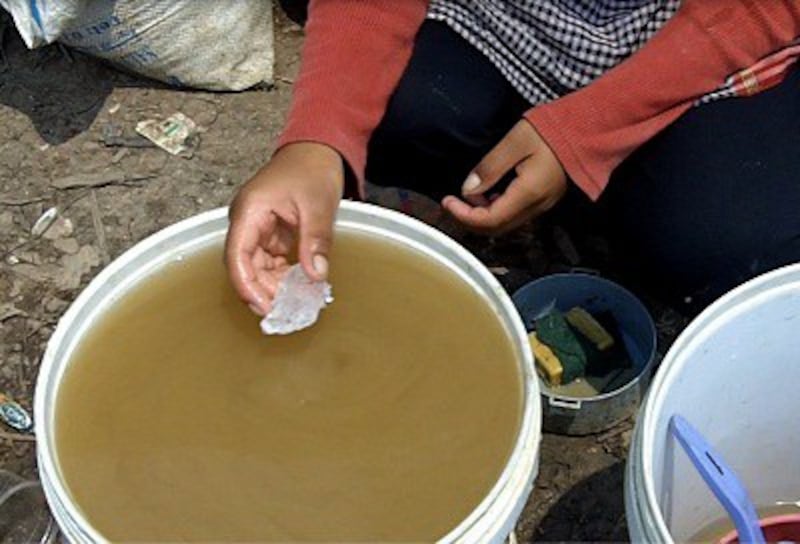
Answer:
(592, 130)
(354, 54)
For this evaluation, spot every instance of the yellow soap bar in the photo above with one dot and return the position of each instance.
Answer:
(589, 327)
(547, 362)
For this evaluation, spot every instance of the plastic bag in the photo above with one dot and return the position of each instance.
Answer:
(219, 45)
(297, 303)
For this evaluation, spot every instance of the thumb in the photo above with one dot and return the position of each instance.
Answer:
(510, 151)
(316, 238)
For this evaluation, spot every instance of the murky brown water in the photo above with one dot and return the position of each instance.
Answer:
(390, 419)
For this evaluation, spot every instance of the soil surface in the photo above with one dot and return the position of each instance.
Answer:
(65, 117)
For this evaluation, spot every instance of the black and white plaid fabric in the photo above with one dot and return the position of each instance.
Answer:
(547, 48)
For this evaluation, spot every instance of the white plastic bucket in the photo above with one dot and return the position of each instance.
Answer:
(491, 521)
(734, 374)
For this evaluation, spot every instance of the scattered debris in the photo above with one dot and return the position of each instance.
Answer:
(99, 230)
(60, 228)
(69, 246)
(115, 108)
(30, 257)
(176, 134)
(6, 221)
(14, 415)
(20, 202)
(39, 273)
(44, 222)
(75, 266)
(54, 305)
(110, 176)
(114, 135)
(9, 311)
(118, 156)
(12, 260)
(17, 437)
(498, 270)
(614, 432)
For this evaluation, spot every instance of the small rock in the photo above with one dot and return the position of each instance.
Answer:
(6, 221)
(94, 179)
(7, 311)
(12, 260)
(16, 290)
(54, 305)
(75, 266)
(34, 324)
(626, 439)
(37, 273)
(8, 371)
(69, 246)
(30, 257)
(118, 156)
(61, 228)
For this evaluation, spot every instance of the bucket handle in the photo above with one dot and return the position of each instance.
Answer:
(564, 403)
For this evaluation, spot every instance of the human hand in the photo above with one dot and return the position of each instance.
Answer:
(539, 184)
(290, 203)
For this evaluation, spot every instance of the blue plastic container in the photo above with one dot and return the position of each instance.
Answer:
(586, 415)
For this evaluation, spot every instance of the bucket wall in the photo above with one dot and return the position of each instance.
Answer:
(734, 374)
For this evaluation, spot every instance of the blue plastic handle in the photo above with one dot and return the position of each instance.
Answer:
(721, 479)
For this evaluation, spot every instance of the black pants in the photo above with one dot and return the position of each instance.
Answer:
(710, 202)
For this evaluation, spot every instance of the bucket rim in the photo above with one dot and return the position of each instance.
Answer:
(506, 497)
(739, 299)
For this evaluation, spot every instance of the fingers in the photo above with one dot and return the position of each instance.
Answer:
(477, 200)
(241, 247)
(316, 238)
(539, 184)
(510, 209)
(515, 147)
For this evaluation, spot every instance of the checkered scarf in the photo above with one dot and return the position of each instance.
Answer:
(548, 48)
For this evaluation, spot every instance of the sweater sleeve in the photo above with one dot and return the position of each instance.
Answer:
(354, 54)
(594, 129)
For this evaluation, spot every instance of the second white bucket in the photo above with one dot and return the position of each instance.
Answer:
(734, 374)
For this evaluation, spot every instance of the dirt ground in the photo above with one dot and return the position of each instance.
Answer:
(63, 114)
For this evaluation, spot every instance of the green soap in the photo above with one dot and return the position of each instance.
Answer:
(553, 330)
